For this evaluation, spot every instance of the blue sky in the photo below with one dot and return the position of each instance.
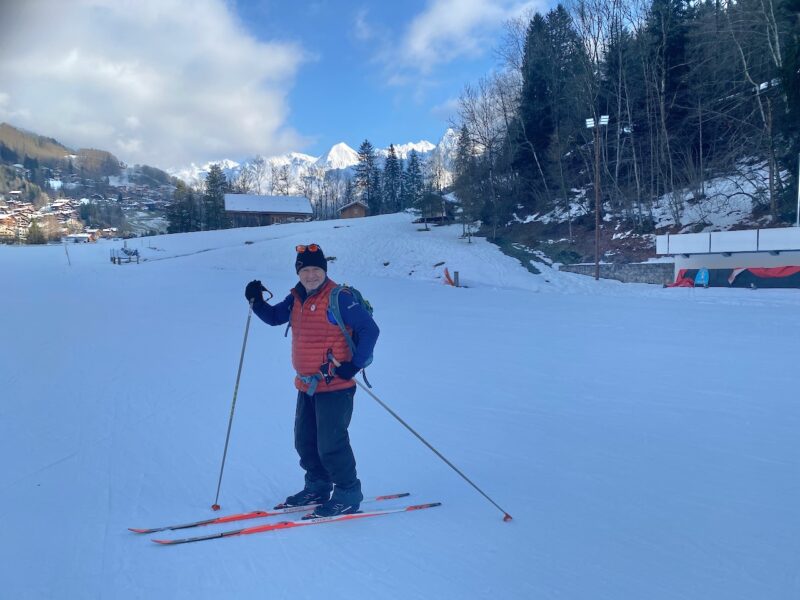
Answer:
(356, 84)
(168, 82)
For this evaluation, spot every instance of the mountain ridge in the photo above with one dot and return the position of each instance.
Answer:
(18, 146)
(339, 157)
(33, 150)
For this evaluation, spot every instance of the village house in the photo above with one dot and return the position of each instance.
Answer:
(8, 226)
(441, 213)
(353, 210)
(77, 238)
(22, 171)
(248, 210)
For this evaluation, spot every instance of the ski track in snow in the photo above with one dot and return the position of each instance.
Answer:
(644, 439)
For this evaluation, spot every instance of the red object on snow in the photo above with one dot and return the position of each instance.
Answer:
(681, 280)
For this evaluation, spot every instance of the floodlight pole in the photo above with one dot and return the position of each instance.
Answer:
(592, 124)
(797, 218)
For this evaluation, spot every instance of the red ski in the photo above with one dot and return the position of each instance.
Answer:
(256, 514)
(298, 523)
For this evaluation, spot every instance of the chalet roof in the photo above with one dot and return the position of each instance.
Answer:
(268, 204)
(353, 203)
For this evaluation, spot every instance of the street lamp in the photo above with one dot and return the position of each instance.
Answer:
(596, 125)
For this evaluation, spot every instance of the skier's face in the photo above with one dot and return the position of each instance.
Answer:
(311, 278)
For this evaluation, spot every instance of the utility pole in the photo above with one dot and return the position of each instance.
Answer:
(797, 218)
(591, 124)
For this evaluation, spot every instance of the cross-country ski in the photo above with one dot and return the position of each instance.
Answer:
(256, 514)
(297, 523)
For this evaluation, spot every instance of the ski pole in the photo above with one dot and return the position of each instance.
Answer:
(216, 506)
(506, 516)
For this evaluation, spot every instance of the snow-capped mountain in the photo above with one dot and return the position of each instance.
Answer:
(340, 157)
(445, 150)
(402, 150)
(292, 158)
(194, 174)
(442, 157)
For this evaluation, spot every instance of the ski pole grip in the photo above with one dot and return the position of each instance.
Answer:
(332, 358)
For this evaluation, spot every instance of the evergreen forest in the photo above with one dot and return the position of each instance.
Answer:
(645, 100)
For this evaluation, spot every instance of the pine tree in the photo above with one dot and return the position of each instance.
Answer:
(214, 216)
(193, 212)
(35, 234)
(349, 193)
(391, 181)
(549, 112)
(367, 178)
(790, 119)
(412, 182)
(182, 213)
(465, 184)
(463, 161)
(376, 190)
(429, 203)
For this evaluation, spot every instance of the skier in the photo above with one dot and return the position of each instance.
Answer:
(325, 392)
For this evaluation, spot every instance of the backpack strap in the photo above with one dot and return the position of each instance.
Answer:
(289, 322)
(333, 305)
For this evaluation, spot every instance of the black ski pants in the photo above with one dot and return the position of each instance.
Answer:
(322, 441)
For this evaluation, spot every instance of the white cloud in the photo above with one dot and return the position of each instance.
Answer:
(450, 29)
(361, 29)
(446, 110)
(163, 82)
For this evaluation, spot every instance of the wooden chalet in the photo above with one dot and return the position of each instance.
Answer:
(249, 210)
(354, 210)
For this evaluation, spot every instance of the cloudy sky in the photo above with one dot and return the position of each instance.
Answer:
(169, 82)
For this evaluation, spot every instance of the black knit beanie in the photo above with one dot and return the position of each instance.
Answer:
(306, 258)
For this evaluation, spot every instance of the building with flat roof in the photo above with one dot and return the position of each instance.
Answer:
(769, 257)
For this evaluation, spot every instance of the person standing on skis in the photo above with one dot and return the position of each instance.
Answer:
(325, 391)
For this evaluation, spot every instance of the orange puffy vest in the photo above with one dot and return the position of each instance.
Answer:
(312, 335)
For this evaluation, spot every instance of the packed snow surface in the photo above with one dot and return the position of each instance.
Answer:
(645, 440)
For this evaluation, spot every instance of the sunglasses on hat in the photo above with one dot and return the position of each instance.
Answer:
(309, 247)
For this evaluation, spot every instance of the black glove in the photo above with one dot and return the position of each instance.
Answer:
(347, 370)
(253, 291)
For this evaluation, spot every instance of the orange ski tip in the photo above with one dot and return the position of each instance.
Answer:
(162, 542)
(134, 530)
(507, 517)
(392, 496)
(421, 506)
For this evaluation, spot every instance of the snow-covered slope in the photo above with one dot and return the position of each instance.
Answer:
(644, 439)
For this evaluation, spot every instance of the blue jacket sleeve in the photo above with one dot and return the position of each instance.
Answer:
(356, 316)
(277, 314)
